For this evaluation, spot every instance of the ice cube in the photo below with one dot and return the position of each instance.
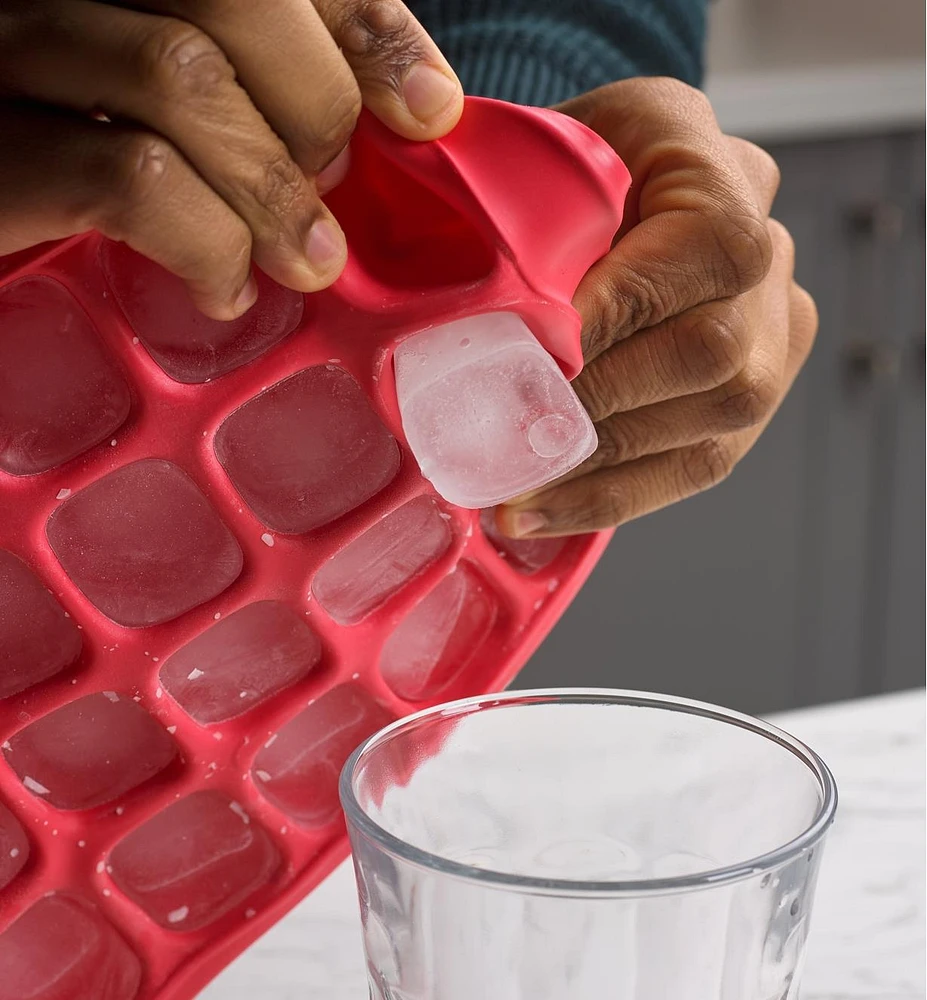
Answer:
(37, 639)
(60, 393)
(14, 847)
(240, 662)
(307, 450)
(487, 412)
(193, 862)
(439, 637)
(527, 555)
(144, 544)
(374, 566)
(89, 751)
(62, 948)
(298, 770)
(189, 346)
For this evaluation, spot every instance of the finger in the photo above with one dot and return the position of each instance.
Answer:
(618, 494)
(403, 77)
(701, 235)
(760, 169)
(61, 176)
(728, 418)
(698, 350)
(289, 64)
(170, 76)
(695, 351)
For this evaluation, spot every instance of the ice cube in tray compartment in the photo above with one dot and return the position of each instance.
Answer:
(60, 393)
(143, 544)
(14, 847)
(307, 450)
(439, 637)
(369, 570)
(89, 751)
(194, 862)
(487, 412)
(189, 346)
(527, 555)
(241, 661)
(298, 768)
(62, 948)
(37, 639)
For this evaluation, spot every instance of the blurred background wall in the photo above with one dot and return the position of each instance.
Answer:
(801, 579)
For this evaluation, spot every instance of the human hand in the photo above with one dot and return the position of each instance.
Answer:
(203, 132)
(693, 327)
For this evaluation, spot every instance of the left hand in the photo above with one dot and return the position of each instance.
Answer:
(693, 327)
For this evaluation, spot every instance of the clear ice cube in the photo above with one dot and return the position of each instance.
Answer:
(60, 393)
(62, 948)
(144, 544)
(439, 637)
(14, 847)
(37, 640)
(89, 751)
(527, 555)
(307, 450)
(298, 768)
(487, 412)
(195, 861)
(374, 566)
(241, 661)
(187, 345)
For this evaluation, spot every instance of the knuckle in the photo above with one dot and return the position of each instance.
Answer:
(181, 62)
(137, 166)
(613, 504)
(705, 465)
(280, 186)
(750, 398)
(745, 244)
(381, 31)
(336, 114)
(616, 442)
(712, 343)
(593, 387)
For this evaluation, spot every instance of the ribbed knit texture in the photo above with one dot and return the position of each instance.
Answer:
(544, 51)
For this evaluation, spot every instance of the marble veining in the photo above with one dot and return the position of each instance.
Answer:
(867, 939)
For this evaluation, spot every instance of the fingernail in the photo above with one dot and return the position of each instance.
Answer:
(246, 297)
(335, 172)
(427, 92)
(526, 522)
(324, 246)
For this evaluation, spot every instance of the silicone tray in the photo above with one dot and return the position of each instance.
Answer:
(165, 507)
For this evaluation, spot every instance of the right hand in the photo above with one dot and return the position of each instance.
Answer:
(203, 132)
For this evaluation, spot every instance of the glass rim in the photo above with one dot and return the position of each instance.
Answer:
(395, 846)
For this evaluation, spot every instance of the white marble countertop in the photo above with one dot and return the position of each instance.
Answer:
(867, 941)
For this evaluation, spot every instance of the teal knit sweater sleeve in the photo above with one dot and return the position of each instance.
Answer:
(544, 51)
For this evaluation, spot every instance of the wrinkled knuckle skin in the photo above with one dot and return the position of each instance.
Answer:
(616, 444)
(381, 33)
(181, 63)
(746, 246)
(137, 168)
(612, 507)
(705, 465)
(280, 187)
(750, 398)
(771, 174)
(335, 115)
(712, 343)
(593, 387)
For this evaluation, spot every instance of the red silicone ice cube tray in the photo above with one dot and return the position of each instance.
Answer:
(221, 569)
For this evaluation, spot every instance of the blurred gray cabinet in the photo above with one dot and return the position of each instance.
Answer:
(801, 579)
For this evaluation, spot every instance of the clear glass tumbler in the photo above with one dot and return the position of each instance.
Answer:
(585, 845)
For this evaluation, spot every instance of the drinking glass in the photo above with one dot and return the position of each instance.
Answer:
(585, 845)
